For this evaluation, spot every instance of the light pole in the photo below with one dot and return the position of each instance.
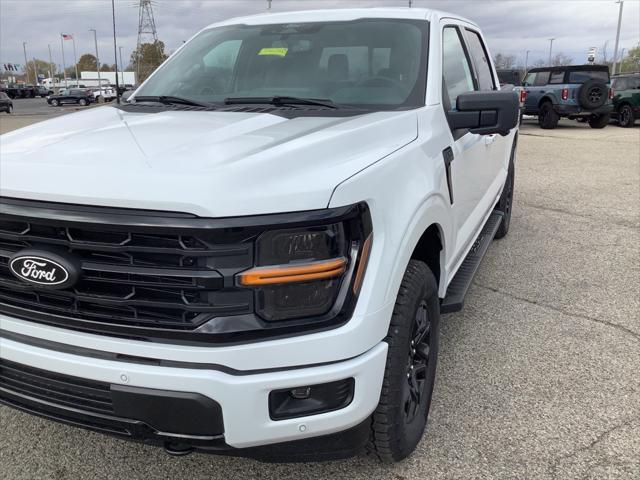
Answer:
(115, 48)
(621, 59)
(26, 63)
(51, 67)
(64, 66)
(121, 64)
(95, 41)
(75, 59)
(526, 61)
(615, 50)
(35, 71)
(550, 49)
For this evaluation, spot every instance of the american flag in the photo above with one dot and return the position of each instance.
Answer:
(66, 36)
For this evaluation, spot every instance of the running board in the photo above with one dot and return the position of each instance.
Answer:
(454, 300)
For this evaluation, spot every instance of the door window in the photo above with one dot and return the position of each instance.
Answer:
(456, 70)
(530, 79)
(481, 59)
(542, 78)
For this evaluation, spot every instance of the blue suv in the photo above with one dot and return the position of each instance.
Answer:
(581, 92)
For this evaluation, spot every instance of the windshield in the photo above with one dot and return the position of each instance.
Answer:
(369, 63)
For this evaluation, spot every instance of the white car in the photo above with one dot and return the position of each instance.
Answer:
(108, 94)
(252, 255)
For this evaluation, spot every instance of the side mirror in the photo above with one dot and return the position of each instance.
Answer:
(486, 113)
(125, 95)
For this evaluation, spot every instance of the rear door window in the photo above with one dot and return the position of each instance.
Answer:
(556, 78)
(586, 75)
(620, 84)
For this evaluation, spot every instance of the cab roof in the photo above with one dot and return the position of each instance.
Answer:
(341, 14)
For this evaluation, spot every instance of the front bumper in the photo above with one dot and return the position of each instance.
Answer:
(242, 398)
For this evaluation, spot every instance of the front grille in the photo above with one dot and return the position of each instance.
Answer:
(87, 395)
(152, 277)
(149, 275)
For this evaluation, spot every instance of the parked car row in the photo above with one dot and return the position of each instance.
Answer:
(626, 99)
(585, 93)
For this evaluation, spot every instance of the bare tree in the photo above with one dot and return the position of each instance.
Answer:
(504, 61)
(539, 63)
(560, 59)
(603, 53)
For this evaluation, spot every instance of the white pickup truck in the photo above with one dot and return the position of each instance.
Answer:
(251, 256)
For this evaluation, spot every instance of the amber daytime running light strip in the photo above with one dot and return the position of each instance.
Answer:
(288, 274)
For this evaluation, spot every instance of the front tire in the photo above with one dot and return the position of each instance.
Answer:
(505, 204)
(599, 121)
(548, 118)
(82, 102)
(55, 103)
(399, 421)
(10, 109)
(626, 117)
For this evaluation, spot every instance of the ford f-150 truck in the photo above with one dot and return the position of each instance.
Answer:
(252, 254)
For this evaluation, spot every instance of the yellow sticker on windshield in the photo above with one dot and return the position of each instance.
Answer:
(278, 52)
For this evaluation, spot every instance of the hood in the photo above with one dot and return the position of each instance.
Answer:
(213, 164)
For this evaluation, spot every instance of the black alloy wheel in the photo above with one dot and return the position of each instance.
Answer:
(626, 118)
(417, 365)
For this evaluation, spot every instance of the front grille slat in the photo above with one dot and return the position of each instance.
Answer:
(155, 279)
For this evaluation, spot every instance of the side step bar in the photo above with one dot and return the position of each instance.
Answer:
(454, 300)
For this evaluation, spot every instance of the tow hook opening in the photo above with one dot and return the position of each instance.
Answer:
(177, 449)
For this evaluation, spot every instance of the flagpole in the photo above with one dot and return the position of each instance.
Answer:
(75, 58)
(64, 66)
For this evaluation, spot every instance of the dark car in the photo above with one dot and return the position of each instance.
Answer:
(580, 92)
(72, 95)
(626, 100)
(510, 76)
(6, 105)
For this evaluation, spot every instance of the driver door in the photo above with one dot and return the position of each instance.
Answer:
(471, 166)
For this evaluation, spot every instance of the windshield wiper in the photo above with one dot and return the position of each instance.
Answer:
(171, 100)
(281, 101)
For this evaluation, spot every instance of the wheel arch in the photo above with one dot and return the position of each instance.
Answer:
(546, 98)
(622, 104)
(429, 248)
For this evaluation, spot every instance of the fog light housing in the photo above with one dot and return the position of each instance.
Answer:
(311, 399)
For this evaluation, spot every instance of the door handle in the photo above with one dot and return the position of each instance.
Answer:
(489, 139)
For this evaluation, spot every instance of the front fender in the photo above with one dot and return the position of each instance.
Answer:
(406, 193)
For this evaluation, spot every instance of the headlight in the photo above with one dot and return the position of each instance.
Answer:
(309, 272)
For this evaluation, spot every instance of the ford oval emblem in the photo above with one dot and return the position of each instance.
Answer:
(44, 269)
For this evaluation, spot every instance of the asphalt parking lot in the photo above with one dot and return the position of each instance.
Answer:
(538, 376)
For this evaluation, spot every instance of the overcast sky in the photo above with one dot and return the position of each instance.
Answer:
(511, 26)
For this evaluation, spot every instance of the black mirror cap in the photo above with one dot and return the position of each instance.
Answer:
(486, 113)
